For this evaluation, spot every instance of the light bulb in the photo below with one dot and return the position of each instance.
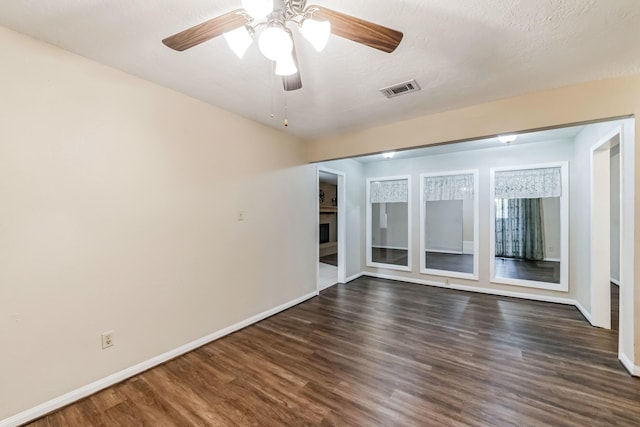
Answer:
(506, 139)
(389, 154)
(275, 43)
(286, 66)
(239, 40)
(316, 32)
(258, 9)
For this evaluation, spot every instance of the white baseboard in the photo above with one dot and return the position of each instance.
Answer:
(327, 286)
(399, 248)
(628, 365)
(468, 288)
(354, 277)
(444, 251)
(552, 259)
(89, 389)
(614, 281)
(584, 312)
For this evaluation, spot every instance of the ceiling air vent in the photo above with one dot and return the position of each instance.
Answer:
(400, 89)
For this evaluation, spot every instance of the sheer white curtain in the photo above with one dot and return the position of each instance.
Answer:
(392, 191)
(528, 183)
(448, 187)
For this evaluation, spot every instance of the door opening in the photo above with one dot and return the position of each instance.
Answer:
(331, 228)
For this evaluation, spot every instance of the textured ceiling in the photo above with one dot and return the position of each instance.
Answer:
(462, 52)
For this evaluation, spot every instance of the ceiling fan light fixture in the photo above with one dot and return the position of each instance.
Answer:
(275, 43)
(258, 9)
(316, 32)
(286, 66)
(239, 40)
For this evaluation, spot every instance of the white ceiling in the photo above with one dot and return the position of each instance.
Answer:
(565, 133)
(462, 52)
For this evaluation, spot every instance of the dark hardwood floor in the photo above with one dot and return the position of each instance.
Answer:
(382, 353)
(539, 271)
(390, 256)
(461, 263)
(330, 259)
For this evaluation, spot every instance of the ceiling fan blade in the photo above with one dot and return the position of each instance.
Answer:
(359, 30)
(294, 81)
(206, 31)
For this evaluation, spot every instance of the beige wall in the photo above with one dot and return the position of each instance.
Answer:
(119, 203)
(579, 103)
(119, 208)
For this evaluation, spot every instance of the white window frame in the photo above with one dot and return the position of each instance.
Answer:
(369, 239)
(476, 226)
(563, 286)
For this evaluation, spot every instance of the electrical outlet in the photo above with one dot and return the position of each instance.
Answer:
(240, 215)
(107, 339)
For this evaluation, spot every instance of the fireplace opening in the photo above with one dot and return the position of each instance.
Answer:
(324, 233)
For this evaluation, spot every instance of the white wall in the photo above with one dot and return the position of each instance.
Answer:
(511, 155)
(395, 233)
(119, 212)
(445, 225)
(551, 224)
(354, 187)
(580, 232)
(614, 183)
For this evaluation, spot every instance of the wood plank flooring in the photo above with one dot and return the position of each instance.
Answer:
(523, 269)
(390, 256)
(461, 263)
(383, 353)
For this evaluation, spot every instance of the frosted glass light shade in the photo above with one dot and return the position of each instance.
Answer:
(239, 40)
(286, 66)
(258, 9)
(275, 43)
(316, 32)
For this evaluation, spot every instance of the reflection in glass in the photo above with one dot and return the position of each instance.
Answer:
(389, 209)
(449, 235)
(389, 233)
(449, 222)
(527, 224)
(527, 239)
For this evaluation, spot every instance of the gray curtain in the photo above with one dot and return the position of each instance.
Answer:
(519, 229)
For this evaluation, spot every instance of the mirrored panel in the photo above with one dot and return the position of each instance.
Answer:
(529, 231)
(388, 217)
(449, 224)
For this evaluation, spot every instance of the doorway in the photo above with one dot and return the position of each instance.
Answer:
(331, 227)
(603, 262)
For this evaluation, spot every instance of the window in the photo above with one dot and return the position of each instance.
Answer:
(449, 224)
(529, 226)
(388, 223)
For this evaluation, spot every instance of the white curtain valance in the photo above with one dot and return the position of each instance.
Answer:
(528, 183)
(393, 191)
(448, 187)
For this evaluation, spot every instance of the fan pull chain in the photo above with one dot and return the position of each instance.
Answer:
(273, 86)
(286, 121)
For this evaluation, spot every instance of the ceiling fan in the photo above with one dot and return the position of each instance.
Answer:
(272, 18)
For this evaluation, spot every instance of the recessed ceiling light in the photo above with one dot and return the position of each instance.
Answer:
(505, 139)
(389, 155)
